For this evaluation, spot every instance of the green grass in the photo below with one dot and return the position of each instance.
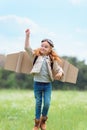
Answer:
(68, 110)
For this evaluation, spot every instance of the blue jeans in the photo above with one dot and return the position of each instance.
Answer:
(42, 91)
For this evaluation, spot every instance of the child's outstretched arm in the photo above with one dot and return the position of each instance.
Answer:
(27, 38)
(27, 45)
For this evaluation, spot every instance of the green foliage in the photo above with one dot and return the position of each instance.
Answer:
(82, 77)
(10, 79)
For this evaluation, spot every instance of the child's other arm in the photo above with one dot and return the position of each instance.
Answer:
(58, 71)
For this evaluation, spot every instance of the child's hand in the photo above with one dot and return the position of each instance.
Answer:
(27, 32)
(59, 75)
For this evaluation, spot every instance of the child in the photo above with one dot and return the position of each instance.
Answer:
(45, 70)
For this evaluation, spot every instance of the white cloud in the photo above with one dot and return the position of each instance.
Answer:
(75, 1)
(11, 45)
(78, 2)
(73, 48)
(21, 23)
(80, 30)
(18, 23)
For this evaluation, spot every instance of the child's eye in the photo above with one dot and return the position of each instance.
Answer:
(44, 46)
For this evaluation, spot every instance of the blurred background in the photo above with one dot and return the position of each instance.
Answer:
(64, 22)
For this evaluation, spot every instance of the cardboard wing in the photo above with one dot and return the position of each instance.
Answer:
(70, 72)
(21, 63)
(18, 62)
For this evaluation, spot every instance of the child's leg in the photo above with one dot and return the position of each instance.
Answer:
(47, 98)
(38, 99)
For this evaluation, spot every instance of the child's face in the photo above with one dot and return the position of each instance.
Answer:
(45, 48)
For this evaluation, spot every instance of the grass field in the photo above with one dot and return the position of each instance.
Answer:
(68, 110)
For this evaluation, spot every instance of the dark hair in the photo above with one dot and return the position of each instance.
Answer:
(49, 41)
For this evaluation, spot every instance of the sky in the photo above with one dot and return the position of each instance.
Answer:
(62, 21)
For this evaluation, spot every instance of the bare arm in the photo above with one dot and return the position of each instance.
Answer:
(27, 38)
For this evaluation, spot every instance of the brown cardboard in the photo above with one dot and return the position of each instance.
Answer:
(21, 63)
(2, 60)
(18, 62)
(70, 72)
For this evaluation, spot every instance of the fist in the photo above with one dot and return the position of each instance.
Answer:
(27, 32)
(59, 75)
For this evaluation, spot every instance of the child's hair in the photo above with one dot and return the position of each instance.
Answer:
(53, 55)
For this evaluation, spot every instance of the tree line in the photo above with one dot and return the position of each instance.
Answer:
(9, 79)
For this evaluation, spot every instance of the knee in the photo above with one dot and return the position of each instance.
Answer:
(38, 102)
(47, 104)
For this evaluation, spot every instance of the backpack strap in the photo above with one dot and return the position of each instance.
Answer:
(35, 59)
